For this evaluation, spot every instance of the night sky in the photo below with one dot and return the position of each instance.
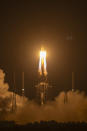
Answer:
(60, 27)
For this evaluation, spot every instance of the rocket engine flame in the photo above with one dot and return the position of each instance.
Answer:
(42, 62)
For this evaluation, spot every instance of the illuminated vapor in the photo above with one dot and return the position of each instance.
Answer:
(42, 62)
(75, 110)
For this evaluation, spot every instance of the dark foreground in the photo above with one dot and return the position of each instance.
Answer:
(50, 125)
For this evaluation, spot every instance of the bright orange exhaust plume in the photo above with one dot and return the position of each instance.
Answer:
(42, 62)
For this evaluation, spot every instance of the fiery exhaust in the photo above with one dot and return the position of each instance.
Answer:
(42, 62)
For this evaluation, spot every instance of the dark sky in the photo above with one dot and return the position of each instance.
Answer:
(60, 26)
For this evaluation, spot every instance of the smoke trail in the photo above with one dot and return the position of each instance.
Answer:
(28, 111)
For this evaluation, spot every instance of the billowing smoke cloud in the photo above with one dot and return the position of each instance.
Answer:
(28, 111)
(6, 98)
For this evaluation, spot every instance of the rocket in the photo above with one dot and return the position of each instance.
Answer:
(42, 63)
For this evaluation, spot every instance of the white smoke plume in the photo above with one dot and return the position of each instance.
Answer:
(6, 98)
(28, 111)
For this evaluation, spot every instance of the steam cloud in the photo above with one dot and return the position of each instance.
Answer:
(28, 111)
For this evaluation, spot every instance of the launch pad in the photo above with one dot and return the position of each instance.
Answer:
(42, 88)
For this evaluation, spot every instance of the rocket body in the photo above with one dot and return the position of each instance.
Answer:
(42, 63)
